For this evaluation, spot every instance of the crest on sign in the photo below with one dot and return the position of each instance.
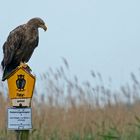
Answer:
(20, 82)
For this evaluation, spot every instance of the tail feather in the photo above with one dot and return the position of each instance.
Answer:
(2, 64)
(7, 71)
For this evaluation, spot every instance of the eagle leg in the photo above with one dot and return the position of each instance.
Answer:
(25, 66)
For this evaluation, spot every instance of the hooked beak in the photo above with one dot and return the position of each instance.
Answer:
(44, 27)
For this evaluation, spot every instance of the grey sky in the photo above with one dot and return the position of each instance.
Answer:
(99, 35)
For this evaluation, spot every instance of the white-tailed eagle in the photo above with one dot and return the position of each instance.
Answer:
(20, 45)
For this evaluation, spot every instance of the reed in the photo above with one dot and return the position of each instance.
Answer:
(67, 109)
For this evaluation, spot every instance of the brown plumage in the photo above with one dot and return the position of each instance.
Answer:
(20, 45)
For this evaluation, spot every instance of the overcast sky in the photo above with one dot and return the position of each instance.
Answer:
(99, 35)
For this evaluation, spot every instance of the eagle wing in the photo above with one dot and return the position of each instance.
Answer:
(12, 44)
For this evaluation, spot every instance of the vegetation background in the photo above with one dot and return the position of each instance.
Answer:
(67, 109)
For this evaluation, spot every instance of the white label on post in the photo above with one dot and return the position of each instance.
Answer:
(21, 102)
(19, 118)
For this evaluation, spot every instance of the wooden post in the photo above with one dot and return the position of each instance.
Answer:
(21, 85)
(22, 134)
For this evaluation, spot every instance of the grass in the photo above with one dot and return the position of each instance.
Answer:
(65, 109)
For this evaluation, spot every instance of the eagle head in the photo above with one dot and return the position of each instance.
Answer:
(37, 23)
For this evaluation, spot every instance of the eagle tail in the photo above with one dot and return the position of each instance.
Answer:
(7, 71)
(2, 64)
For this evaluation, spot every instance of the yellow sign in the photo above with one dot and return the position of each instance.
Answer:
(21, 84)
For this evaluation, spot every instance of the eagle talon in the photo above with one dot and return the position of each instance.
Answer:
(24, 65)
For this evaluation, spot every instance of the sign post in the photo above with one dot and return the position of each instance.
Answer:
(21, 86)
